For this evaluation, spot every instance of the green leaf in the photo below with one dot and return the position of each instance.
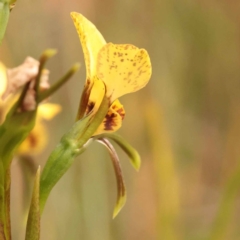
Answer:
(4, 16)
(121, 190)
(126, 147)
(70, 146)
(33, 223)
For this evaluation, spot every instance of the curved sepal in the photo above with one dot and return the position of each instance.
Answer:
(126, 147)
(121, 190)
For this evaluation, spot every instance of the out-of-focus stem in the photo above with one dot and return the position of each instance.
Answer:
(5, 224)
(7, 204)
(43, 59)
(226, 208)
(4, 16)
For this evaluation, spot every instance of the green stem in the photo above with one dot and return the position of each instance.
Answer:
(70, 146)
(5, 184)
(7, 204)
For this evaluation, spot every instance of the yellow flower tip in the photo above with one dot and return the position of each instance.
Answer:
(91, 40)
(74, 15)
(120, 204)
(49, 110)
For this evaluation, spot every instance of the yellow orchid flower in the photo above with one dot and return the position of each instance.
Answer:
(112, 70)
(118, 68)
(37, 140)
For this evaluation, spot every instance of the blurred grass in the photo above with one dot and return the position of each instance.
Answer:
(185, 123)
(166, 176)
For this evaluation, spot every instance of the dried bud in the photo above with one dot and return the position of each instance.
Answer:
(29, 102)
(20, 75)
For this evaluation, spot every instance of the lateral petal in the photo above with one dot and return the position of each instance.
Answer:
(113, 120)
(123, 68)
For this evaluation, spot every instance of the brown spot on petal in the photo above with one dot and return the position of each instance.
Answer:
(121, 112)
(109, 122)
(90, 107)
(32, 140)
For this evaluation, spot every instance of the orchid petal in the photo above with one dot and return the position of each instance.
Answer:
(123, 68)
(113, 120)
(91, 40)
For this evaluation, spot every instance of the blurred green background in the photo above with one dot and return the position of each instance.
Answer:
(185, 123)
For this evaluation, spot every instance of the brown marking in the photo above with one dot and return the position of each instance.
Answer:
(90, 107)
(88, 82)
(32, 140)
(121, 112)
(109, 122)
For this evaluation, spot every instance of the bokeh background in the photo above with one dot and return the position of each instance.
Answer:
(185, 123)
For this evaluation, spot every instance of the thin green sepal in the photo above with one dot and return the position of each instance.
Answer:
(126, 147)
(43, 59)
(121, 190)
